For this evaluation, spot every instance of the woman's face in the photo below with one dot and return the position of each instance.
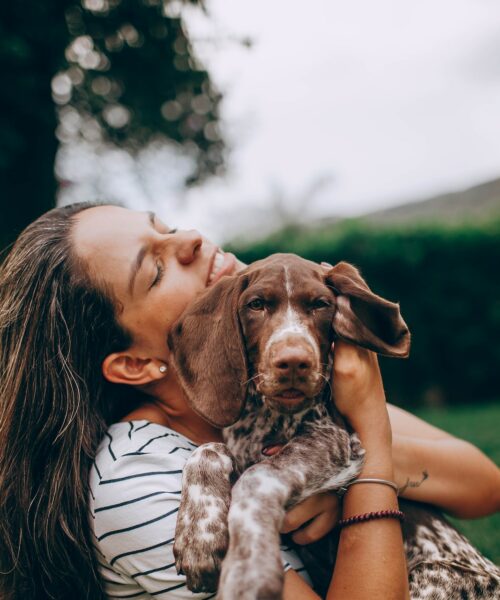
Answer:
(153, 270)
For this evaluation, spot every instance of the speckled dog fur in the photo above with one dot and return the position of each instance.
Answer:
(227, 350)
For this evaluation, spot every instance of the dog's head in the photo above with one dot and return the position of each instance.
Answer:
(273, 325)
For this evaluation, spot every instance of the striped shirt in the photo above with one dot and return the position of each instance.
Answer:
(135, 490)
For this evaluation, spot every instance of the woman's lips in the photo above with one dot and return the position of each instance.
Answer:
(226, 268)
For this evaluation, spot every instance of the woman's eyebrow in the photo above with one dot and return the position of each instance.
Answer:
(140, 257)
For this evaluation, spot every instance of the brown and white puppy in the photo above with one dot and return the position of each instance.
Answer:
(253, 356)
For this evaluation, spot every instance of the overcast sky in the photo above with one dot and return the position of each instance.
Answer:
(344, 107)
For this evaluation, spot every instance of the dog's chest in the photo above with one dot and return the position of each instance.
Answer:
(260, 427)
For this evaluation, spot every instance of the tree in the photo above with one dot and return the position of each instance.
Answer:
(123, 71)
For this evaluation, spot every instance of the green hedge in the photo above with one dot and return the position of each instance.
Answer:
(447, 280)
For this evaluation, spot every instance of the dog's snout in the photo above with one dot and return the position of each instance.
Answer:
(292, 359)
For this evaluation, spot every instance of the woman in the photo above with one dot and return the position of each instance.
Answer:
(87, 296)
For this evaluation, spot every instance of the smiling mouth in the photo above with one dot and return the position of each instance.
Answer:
(216, 265)
(223, 263)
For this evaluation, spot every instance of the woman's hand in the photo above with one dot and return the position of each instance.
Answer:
(358, 393)
(313, 518)
(357, 388)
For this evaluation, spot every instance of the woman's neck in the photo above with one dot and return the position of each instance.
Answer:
(188, 423)
(167, 405)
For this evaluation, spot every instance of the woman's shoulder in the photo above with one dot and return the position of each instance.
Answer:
(135, 491)
(137, 452)
(140, 436)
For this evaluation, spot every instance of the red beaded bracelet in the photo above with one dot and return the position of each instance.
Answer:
(379, 514)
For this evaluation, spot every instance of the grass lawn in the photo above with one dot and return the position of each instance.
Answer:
(481, 426)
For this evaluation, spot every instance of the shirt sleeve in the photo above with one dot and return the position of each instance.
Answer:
(136, 505)
(291, 560)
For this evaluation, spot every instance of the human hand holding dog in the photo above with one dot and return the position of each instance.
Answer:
(313, 518)
(358, 393)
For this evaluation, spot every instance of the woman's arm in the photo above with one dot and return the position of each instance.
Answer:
(370, 558)
(461, 479)
(295, 588)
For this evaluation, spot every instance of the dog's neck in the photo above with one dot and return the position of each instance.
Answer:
(261, 425)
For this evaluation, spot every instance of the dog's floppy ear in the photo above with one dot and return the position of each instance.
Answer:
(208, 353)
(364, 318)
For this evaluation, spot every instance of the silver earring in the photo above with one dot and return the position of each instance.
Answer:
(163, 368)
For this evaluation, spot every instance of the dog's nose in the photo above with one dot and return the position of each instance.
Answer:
(293, 360)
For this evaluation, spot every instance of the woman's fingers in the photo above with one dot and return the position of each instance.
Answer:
(316, 529)
(356, 377)
(300, 514)
(307, 511)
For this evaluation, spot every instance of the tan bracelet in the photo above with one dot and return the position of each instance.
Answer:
(341, 491)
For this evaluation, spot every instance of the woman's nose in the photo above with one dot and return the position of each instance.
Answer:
(188, 244)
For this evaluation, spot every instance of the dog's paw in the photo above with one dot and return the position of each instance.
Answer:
(198, 555)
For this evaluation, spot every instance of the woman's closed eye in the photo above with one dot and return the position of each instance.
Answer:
(160, 271)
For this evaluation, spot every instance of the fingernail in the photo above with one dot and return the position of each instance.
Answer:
(326, 264)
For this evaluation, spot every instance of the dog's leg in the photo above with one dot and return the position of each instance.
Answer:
(201, 535)
(324, 458)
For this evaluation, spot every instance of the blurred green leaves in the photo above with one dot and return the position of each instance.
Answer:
(132, 76)
(116, 72)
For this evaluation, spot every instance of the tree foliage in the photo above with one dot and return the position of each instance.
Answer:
(119, 71)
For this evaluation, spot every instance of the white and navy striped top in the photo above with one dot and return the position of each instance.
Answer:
(135, 487)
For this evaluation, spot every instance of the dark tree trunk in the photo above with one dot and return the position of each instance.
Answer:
(34, 37)
(151, 70)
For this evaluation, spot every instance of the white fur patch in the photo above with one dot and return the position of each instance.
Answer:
(245, 519)
(292, 326)
(195, 493)
(196, 455)
(268, 485)
(288, 283)
(227, 463)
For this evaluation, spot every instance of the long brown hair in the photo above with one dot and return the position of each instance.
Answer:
(56, 327)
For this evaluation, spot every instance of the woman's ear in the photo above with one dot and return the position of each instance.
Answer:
(123, 367)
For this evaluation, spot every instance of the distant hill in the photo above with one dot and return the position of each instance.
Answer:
(480, 202)
(476, 205)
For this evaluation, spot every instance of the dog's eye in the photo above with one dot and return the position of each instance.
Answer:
(256, 304)
(319, 303)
